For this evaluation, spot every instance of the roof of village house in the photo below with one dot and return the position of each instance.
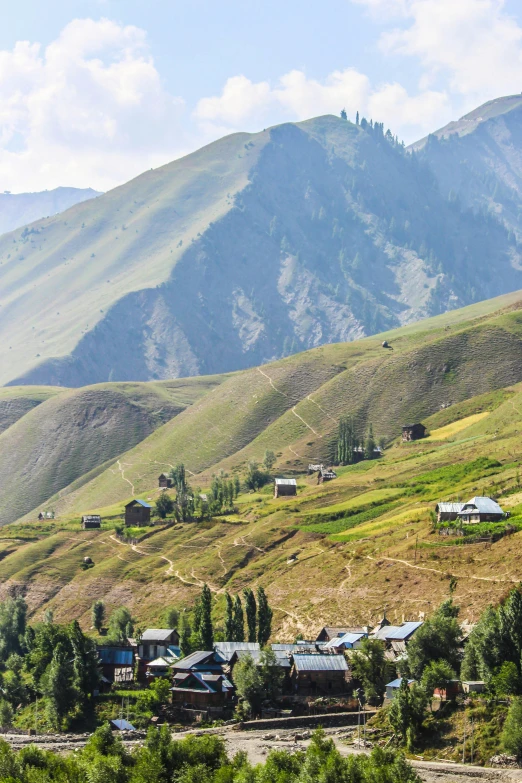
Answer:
(227, 649)
(118, 656)
(140, 502)
(397, 632)
(281, 656)
(195, 659)
(157, 634)
(345, 638)
(303, 647)
(160, 663)
(338, 630)
(449, 508)
(286, 482)
(397, 683)
(483, 505)
(307, 663)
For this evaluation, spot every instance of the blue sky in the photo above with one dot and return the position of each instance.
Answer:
(95, 91)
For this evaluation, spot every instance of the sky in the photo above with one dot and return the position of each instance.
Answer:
(93, 92)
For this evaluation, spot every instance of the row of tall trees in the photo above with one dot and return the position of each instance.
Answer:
(349, 441)
(258, 617)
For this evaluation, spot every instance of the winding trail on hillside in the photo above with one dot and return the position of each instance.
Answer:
(308, 397)
(305, 423)
(123, 476)
(511, 580)
(270, 381)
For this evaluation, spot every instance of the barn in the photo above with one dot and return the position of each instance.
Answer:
(137, 513)
(413, 432)
(90, 521)
(164, 481)
(481, 509)
(447, 512)
(285, 487)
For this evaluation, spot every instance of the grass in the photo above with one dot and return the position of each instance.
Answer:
(446, 432)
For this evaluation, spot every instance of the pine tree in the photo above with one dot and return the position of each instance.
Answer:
(237, 485)
(264, 618)
(58, 687)
(251, 612)
(239, 629)
(229, 618)
(369, 446)
(344, 116)
(357, 118)
(206, 630)
(98, 615)
(185, 633)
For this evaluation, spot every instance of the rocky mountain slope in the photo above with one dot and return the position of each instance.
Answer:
(19, 209)
(478, 160)
(253, 248)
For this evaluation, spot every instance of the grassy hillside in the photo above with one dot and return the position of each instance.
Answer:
(16, 401)
(18, 209)
(74, 432)
(253, 248)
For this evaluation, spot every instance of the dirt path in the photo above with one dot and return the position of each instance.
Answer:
(120, 468)
(510, 580)
(305, 423)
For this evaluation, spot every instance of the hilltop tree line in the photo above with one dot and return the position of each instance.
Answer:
(251, 621)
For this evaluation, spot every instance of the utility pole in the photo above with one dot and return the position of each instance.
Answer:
(416, 542)
(36, 715)
(464, 746)
(472, 735)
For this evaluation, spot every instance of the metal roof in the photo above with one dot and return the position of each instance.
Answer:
(160, 663)
(397, 683)
(383, 633)
(449, 508)
(195, 659)
(483, 505)
(287, 482)
(157, 634)
(115, 655)
(346, 638)
(334, 663)
(123, 725)
(141, 503)
(404, 632)
(231, 647)
(302, 647)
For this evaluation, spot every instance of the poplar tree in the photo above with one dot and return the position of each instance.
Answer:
(239, 629)
(346, 441)
(229, 618)
(206, 630)
(264, 618)
(98, 615)
(185, 633)
(251, 614)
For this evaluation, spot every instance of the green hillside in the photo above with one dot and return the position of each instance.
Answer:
(68, 434)
(16, 401)
(256, 247)
(19, 209)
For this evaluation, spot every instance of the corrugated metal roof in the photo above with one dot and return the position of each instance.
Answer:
(383, 633)
(483, 505)
(286, 482)
(449, 508)
(141, 503)
(300, 646)
(347, 638)
(406, 630)
(320, 663)
(157, 634)
(160, 663)
(115, 655)
(123, 725)
(397, 683)
(194, 659)
(233, 646)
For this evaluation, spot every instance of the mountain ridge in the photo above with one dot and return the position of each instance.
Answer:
(20, 209)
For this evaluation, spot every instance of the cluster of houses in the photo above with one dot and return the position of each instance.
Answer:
(203, 682)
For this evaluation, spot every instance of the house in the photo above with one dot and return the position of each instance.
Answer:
(359, 453)
(137, 513)
(396, 633)
(480, 509)
(226, 650)
(284, 487)
(200, 661)
(304, 646)
(201, 690)
(160, 667)
(157, 643)
(329, 632)
(90, 521)
(413, 432)
(347, 641)
(473, 686)
(392, 688)
(326, 475)
(282, 661)
(116, 663)
(447, 512)
(164, 481)
(449, 693)
(319, 675)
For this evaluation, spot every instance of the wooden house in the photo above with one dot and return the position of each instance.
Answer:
(91, 521)
(164, 481)
(392, 688)
(448, 512)
(201, 691)
(326, 475)
(413, 432)
(473, 686)
(329, 632)
(157, 643)
(346, 641)
(285, 487)
(480, 509)
(137, 513)
(116, 663)
(319, 675)
(359, 454)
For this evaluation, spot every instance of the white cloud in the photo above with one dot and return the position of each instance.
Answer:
(245, 104)
(90, 109)
(472, 47)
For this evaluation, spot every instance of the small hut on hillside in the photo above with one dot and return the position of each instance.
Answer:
(413, 432)
(284, 487)
(90, 521)
(164, 481)
(137, 513)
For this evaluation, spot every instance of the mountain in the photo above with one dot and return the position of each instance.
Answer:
(357, 543)
(253, 248)
(478, 160)
(18, 209)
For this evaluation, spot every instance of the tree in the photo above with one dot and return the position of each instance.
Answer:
(371, 668)
(171, 617)
(237, 486)
(264, 618)
(251, 614)
(438, 638)
(121, 625)
(206, 630)
(369, 444)
(185, 633)
(98, 615)
(406, 712)
(13, 614)
(164, 505)
(344, 116)
(255, 478)
(269, 460)
(506, 682)
(437, 675)
(346, 441)
(6, 714)
(229, 618)
(86, 676)
(357, 118)
(512, 732)
(239, 628)
(58, 687)
(249, 683)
